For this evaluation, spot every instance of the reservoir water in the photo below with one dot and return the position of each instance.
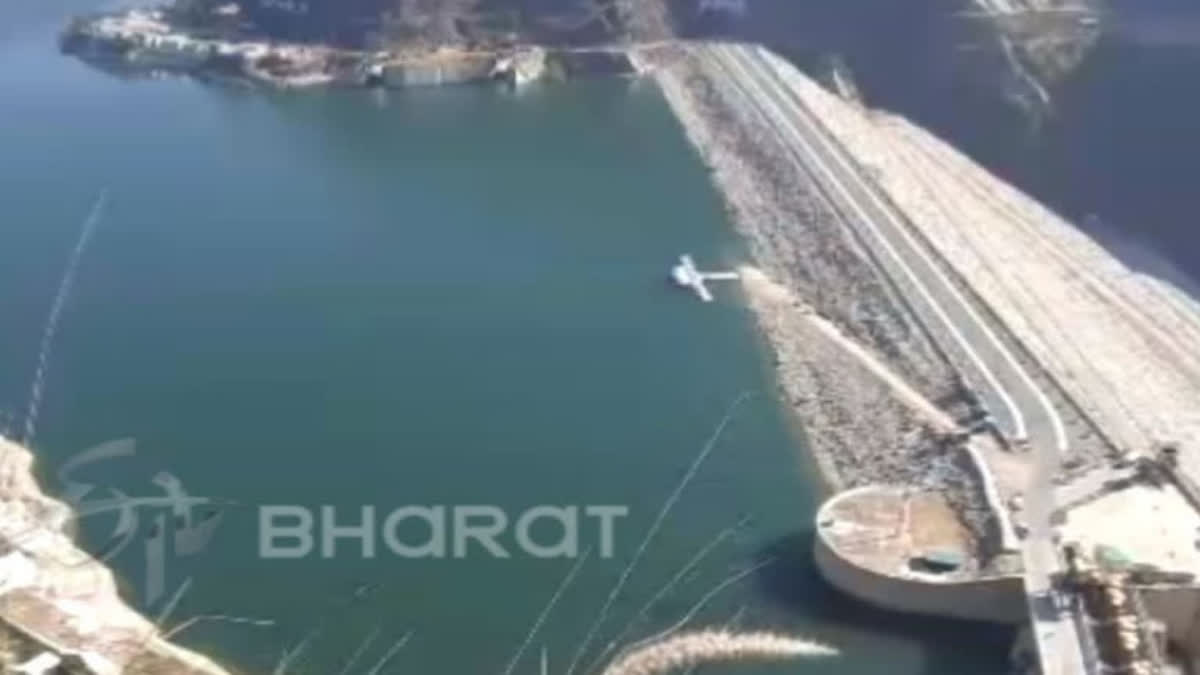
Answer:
(437, 297)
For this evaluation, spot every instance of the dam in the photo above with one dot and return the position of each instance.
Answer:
(1001, 515)
(1052, 453)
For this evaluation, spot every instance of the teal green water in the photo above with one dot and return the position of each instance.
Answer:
(444, 296)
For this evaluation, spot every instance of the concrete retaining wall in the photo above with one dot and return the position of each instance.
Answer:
(436, 71)
(999, 599)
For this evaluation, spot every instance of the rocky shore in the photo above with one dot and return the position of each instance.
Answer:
(149, 41)
(59, 603)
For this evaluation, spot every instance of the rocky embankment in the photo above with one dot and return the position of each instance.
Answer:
(1115, 353)
(861, 429)
(59, 603)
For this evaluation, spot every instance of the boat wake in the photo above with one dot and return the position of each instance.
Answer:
(36, 389)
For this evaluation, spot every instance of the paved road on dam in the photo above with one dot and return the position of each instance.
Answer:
(1020, 408)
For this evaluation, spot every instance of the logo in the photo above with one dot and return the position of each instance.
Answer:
(291, 531)
(168, 524)
(181, 524)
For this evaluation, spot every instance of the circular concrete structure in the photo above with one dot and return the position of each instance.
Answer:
(866, 538)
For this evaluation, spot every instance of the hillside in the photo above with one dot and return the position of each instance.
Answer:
(391, 23)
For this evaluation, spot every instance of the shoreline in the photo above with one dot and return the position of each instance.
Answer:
(840, 337)
(854, 371)
(139, 41)
(59, 599)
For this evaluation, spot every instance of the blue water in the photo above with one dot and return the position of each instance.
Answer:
(435, 297)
